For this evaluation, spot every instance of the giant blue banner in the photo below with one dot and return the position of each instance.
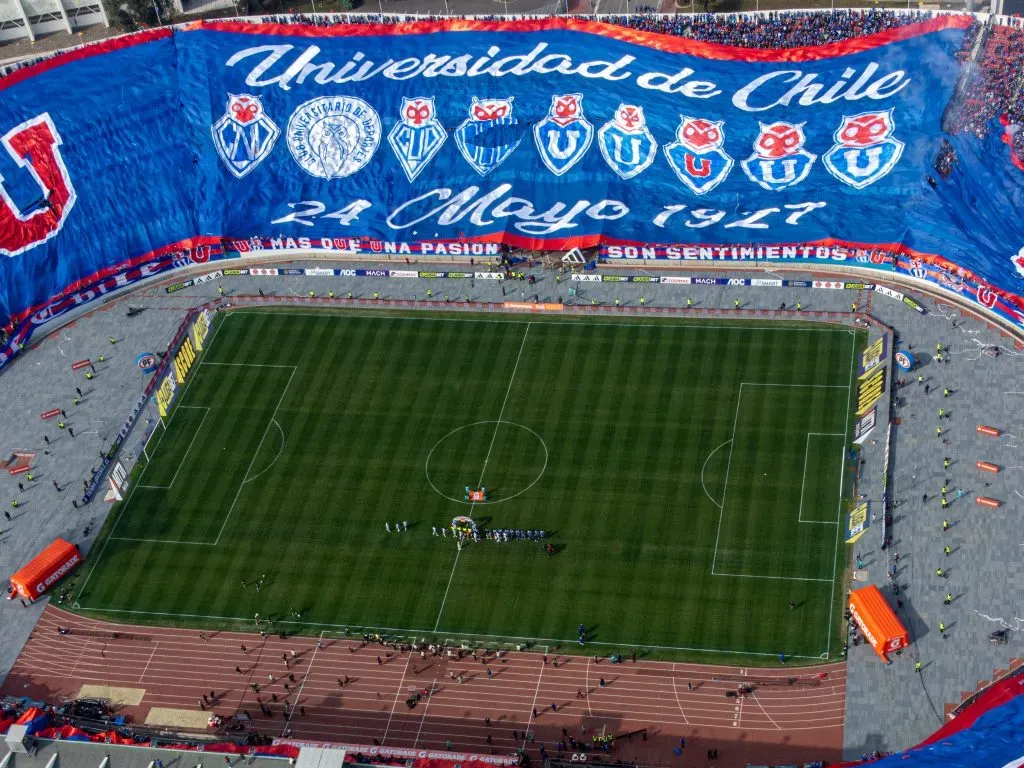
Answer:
(441, 138)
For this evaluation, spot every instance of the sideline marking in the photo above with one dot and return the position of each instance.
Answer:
(835, 559)
(686, 324)
(421, 631)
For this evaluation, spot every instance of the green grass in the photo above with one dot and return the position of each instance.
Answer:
(300, 435)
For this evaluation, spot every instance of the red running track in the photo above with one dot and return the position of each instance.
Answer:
(789, 717)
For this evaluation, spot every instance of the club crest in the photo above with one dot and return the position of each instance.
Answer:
(564, 136)
(489, 135)
(626, 143)
(418, 135)
(332, 137)
(779, 160)
(697, 156)
(244, 135)
(865, 149)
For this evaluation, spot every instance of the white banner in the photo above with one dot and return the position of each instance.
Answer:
(761, 282)
(586, 278)
(889, 292)
(262, 271)
(320, 272)
(488, 276)
(677, 280)
(831, 285)
(404, 273)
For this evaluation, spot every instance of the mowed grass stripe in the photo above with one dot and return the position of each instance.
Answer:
(629, 415)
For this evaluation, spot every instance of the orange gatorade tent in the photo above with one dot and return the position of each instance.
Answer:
(879, 623)
(44, 570)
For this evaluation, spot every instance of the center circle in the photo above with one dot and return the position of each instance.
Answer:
(510, 457)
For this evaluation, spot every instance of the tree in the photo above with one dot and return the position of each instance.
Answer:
(133, 15)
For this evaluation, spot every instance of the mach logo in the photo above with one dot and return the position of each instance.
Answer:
(33, 145)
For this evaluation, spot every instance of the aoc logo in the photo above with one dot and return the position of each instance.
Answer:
(418, 135)
(564, 136)
(333, 136)
(244, 135)
(865, 149)
(697, 156)
(779, 160)
(626, 143)
(489, 135)
(34, 146)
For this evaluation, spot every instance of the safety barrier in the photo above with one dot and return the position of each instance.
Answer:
(987, 466)
(985, 501)
(990, 431)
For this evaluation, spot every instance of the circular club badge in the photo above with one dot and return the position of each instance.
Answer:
(904, 361)
(332, 137)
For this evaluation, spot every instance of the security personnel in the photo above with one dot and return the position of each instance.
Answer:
(375, 295)
(853, 307)
(945, 523)
(945, 391)
(593, 302)
(642, 301)
(943, 490)
(798, 306)
(917, 666)
(945, 462)
(312, 294)
(689, 303)
(220, 290)
(14, 503)
(61, 425)
(330, 294)
(938, 431)
(949, 598)
(88, 374)
(29, 477)
(938, 347)
(920, 379)
(74, 401)
(350, 294)
(941, 411)
(101, 359)
(940, 573)
(737, 303)
(942, 626)
(113, 340)
(945, 503)
(430, 293)
(947, 551)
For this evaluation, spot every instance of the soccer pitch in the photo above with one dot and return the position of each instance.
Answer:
(692, 478)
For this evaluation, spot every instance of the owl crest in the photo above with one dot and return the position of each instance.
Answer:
(865, 129)
(244, 109)
(566, 109)
(417, 111)
(630, 118)
(699, 135)
(490, 109)
(779, 140)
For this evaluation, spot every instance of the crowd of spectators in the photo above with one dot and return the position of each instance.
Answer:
(782, 29)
